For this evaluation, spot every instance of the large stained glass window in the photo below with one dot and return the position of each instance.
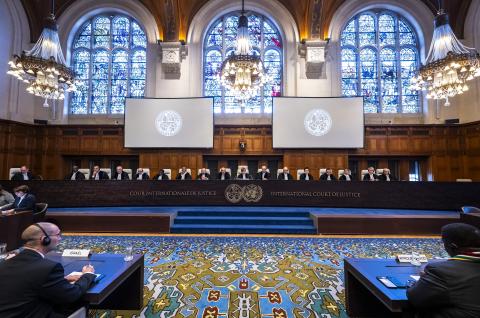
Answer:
(220, 42)
(379, 54)
(109, 59)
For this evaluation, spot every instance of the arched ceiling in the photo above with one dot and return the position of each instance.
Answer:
(173, 17)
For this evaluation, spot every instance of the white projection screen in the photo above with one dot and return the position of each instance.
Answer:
(169, 123)
(318, 122)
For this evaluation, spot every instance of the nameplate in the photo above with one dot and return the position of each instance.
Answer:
(406, 258)
(75, 253)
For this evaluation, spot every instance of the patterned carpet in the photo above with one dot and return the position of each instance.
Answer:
(240, 277)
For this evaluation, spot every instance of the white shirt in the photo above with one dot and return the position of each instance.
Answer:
(119, 176)
(222, 176)
(160, 177)
(21, 199)
(328, 178)
(140, 176)
(244, 176)
(73, 176)
(372, 178)
(96, 177)
(388, 177)
(25, 176)
(307, 177)
(183, 175)
(285, 176)
(347, 177)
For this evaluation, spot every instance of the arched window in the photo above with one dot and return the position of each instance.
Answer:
(109, 59)
(220, 41)
(379, 53)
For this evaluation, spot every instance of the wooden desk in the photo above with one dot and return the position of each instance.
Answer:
(366, 296)
(122, 286)
(12, 226)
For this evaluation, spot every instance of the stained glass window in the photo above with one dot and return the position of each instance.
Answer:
(109, 60)
(379, 54)
(220, 41)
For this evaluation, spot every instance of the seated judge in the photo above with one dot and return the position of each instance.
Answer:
(98, 174)
(263, 174)
(161, 175)
(223, 174)
(203, 175)
(285, 174)
(24, 174)
(183, 175)
(24, 201)
(119, 174)
(5, 197)
(346, 176)
(328, 175)
(75, 174)
(451, 288)
(140, 175)
(386, 176)
(306, 175)
(243, 175)
(370, 176)
(34, 286)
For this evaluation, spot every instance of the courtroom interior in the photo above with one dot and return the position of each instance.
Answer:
(240, 158)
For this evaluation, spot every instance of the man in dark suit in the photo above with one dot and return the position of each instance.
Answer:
(243, 175)
(119, 174)
(285, 174)
(203, 175)
(24, 201)
(451, 288)
(23, 175)
(161, 175)
(346, 176)
(370, 176)
(184, 175)
(98, 174)
(306, 176)
(140, 175)
(75, 174)
(263, 174)
(328, 175)
(33, 286)
(223, 174)
(386, 176)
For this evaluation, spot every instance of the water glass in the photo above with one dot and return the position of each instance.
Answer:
(128, 254)
(415, 259)
(3, 251)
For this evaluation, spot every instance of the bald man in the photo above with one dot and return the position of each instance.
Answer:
(33, 286)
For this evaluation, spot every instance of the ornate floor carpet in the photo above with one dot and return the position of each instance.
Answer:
(240, 277)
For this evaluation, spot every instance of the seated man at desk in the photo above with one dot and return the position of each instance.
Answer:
(75, 174)
(243, 175)
(5, 197)
(24, 201)
(23, 175)
(223, 174)
(140, 175)
(184, 175)
(285, 174)
(386, 176)
(370, 176)
(346, 176)
(328, 175)
(203, 175)
(119, 174)
(451, 288)
(306, 175)
(98, 174)
(33, 286)
(161, 175)
(263, 174)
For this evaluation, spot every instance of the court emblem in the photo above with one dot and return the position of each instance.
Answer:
(234, 193)
(168, 123)
(317, 122)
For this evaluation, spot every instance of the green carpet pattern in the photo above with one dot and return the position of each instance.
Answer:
(240, 277)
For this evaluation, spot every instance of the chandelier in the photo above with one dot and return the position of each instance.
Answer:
(449, 65)
(242, 71)
(43, 68)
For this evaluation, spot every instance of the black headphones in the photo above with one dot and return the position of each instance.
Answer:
(46, 240)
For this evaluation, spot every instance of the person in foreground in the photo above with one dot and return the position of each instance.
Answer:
(36, 287)
(451, 288)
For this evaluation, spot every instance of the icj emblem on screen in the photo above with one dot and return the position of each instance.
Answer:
(317, 122)
(234, 193)
(168, 123)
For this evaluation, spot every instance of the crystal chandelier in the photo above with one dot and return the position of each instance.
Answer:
(242, 71)
(43, 68)
(449, 65)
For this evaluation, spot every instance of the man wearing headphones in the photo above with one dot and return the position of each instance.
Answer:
(33, 286)
(451, 288)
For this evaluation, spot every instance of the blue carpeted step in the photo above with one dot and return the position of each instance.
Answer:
(246, 213)
(243, 220)
(241, 228)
